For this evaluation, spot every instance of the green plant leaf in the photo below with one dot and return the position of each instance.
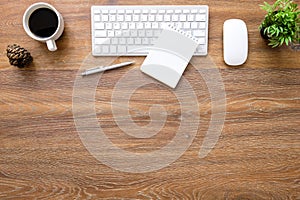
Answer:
(281, 29)
(287, 41)
(277, 32)
(281, 41)
(281, 23)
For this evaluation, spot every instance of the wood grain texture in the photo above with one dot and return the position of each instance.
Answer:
(42, 157)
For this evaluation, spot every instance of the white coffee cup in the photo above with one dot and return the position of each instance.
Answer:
(40, 29)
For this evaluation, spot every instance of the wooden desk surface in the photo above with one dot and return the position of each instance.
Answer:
(257, 155)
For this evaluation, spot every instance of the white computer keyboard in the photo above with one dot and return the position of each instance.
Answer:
(130, 30)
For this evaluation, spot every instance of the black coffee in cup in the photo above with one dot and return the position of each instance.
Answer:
(43, 22)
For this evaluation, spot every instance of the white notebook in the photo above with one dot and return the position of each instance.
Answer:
(170, 55)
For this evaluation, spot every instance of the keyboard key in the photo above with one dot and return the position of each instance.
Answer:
(126, 33)
(159, 18)
(108, 26)
(151, 18)
(202, 11)
(98, 48)
(101, 41)
(116, 26)
(104, 11)
(137, 41)
(121, 48)
(167, 18)
(133, 33)
(113, 11)
(96, 18)
(112, 18)
(144, 18)
(140, 25)
(199, 33)
(200, 17)
(130, 41)
(174, 18)
(114, 41)
(186, 25)
(189, 32)
(113, 49)
(100, 33)
(186, 11)
(182, 18)
(99, 25)
(177, 11)
(194, 11)
(120, 18)
(105, 48)
(131, 25)
(96, 11)
(153, 11)
(149, 33)
(136, 18)
(121, 11)
(151, 40)
(201, 48)
(128, 18)
(141, 33)
(110, 33)
(190, 18)
(147, 25)
(104, 18)
(194, 25)
(179, 25)
(122, 40)
(201, 40)
(124, 25)
(118, 33)
(145, 41)
(154, 25)
(202, 25)
(162, 25)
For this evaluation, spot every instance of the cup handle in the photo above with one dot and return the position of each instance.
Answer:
(51, 45)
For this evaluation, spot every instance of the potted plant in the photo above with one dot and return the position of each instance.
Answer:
(281, 23)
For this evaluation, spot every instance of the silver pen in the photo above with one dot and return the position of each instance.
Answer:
(104, 68)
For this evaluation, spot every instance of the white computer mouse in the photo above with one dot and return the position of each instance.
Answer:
(235, 42)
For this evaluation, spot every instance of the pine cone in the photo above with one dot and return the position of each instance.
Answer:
(18, 56)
